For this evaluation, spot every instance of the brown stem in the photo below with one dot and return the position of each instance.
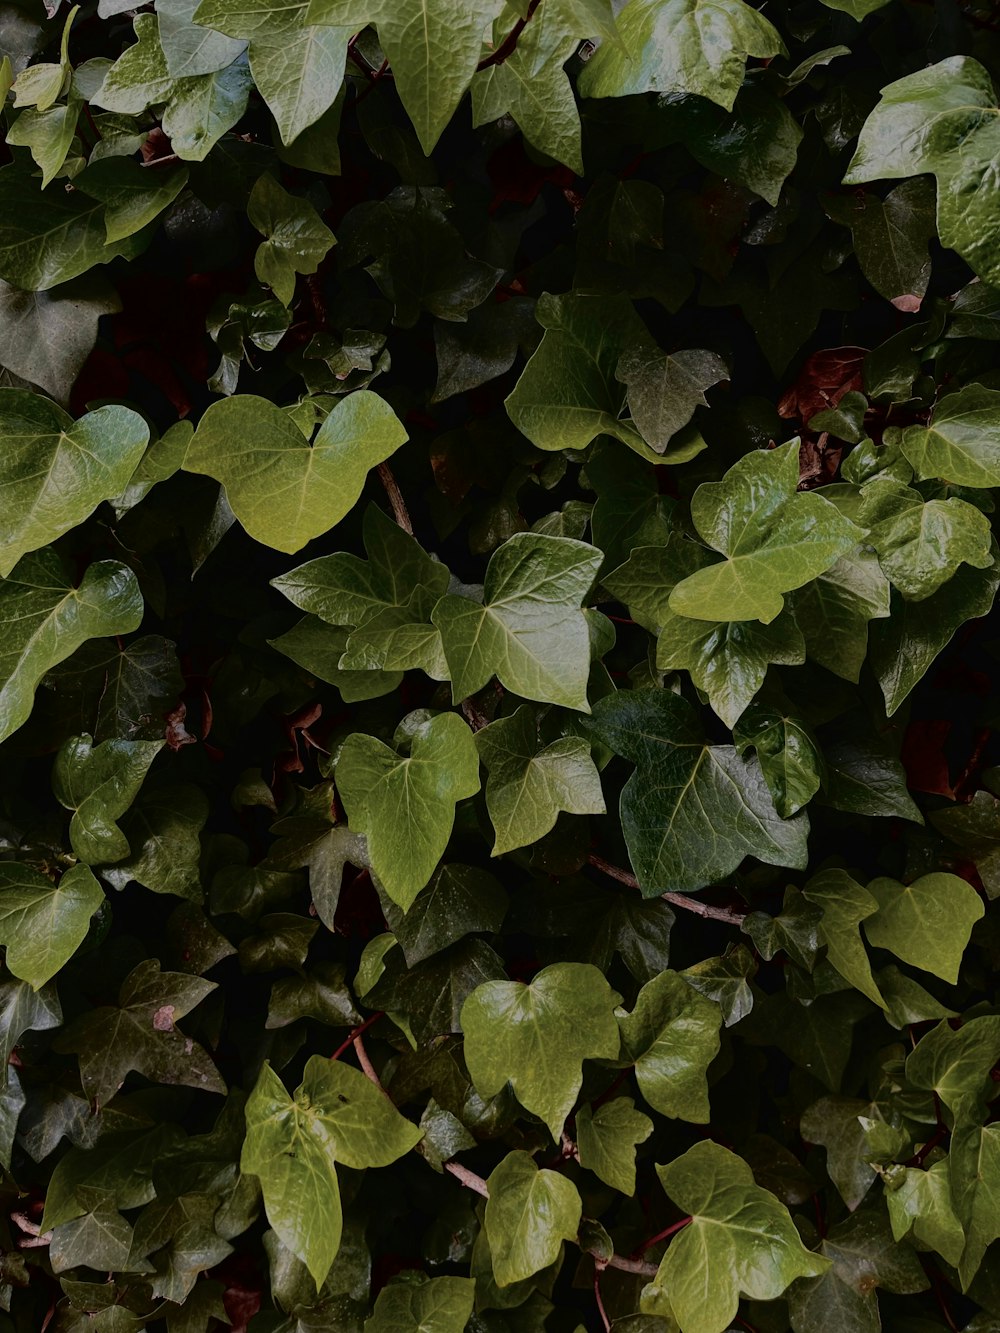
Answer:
(597, 1297)
(682, 900)
(638, 1266)
(366, 1065)
(509, 44)
(399, 509)
(468, 1178)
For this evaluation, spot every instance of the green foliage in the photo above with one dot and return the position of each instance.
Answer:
(500, 827)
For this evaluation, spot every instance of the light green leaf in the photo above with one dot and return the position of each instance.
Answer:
(774, 538)
(961, 442)
(834, 610)
(921, 543)
(529, 1213)
(672, 1036)
(606, 1137)
(405, 806)
(529, 784)
(429, 1305)
(537, 1036)
(740, 1240)
(132, 196)
(681, 46)
(294, 1142)
(45, 618)
(974, 1176)
(188, 47)
(845, 904)
(956, 1064)
(54, 472)
(789, 756)
(920, 1204)
(204, 108)
(284, 490)
(99, 783)
(297, 238)
(319, 649)
(432, 45)
(43, 924)
(728, 659)
(530, 632)
(48, 135)
(568, 393)
(942, 121)
(691, 812)
(139, 77)
(926, 923)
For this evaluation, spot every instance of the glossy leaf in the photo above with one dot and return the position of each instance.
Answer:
(529, 1213)
(672, 1035)
(926, 923)
(43, 924)
(99, 783)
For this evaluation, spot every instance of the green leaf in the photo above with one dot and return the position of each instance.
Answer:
(568, 393)
(139, 1034)
(43, 924)
(672, 1036)
(384, 602)
(921, 543)
(203, 109)
(319, 649)
(46, 337)
(740, 1240)
(282, 488)
(789, 756)
(845, 904)
(961, 442)
(430, 1305)
(99, 783)
(974, 1169)
(606, 1137)
(858, 9)
(130, 198)
(681, 46)
(188, 47)
(529, 1213)
(920, 1205)
(459, 901)
(956, 1064)
(23, 1009)
(54, 472)
(975, 828)
(837, 1123)
(926, 923)
(891, 238)
(774, 538)
(834, 610)
(45, 619)
(432, 46)
(904, 648)
(139, 77)
(537, 1036)
(529, 631)
(405, 806)
(293, 1144)
(162, 830)
(529, 784)
(296, 238)
(48, 135)
(941, 121)
(664, 388)
(691, 812)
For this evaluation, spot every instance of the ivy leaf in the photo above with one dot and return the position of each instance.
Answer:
(432, 46)
(537, 1036)
(282, 488)
(459, 901)
(139, 1034)
(48, 136)
(46, 337)
(956, 1064)
(162, 830)
(961, 441)
(975, 828)
(294, 1142)
(188, 47)
(130, 198)
(99, 783)
(974, 1168)
(405, 807)
(664, 388)
(23, 1009)
(54, 472)
(691, 812)
(836, 1123)
(891, 238)
(845, 904)
(45, 619)
(101, 1236)
(672, 1036)
(568, 393)
(926, 923)
(43, 924)
(941, 121)
(530, 631)
(740, 1240)
(774, 538)
(529, 1213)
(606, 1137)
(834, 610)
(920, 1204)
(296, 238)
(319, 649)
(789, 756)
(139, 77)
(529, 784)
(431, 1305)
(681, 46)
(904, 647)
(385, 602)
(921, 543)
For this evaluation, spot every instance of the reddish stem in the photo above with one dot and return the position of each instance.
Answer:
(509, 44)
(661, 1235)
(359, 1031)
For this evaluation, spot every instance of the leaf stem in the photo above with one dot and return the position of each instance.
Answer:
(468, 1178)
(681, 900)
(355, 1033)
(509, 44)
(399, 509)
(661, 1235)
